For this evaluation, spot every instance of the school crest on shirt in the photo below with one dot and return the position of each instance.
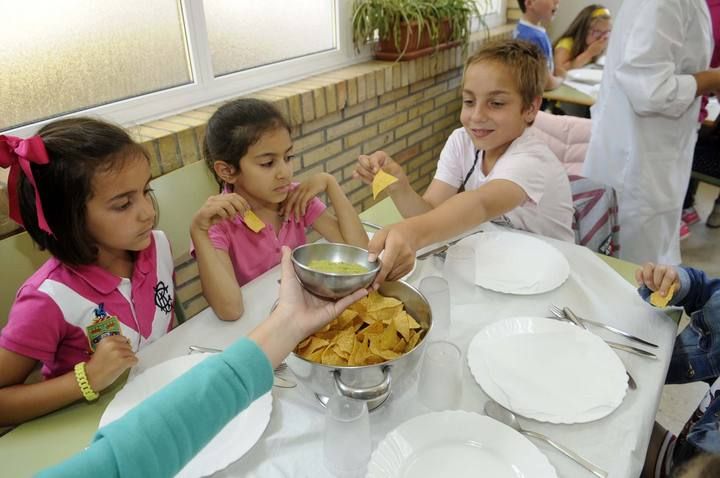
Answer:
(163, 299)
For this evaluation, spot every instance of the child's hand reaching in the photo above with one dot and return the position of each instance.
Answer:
(219, 208)
(111, 358)
(295, 205)
(368, 166)
(657, 277)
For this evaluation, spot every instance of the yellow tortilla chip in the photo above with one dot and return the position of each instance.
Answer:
(381, 181)
(371, 331)
(253, 222)
(659, 301)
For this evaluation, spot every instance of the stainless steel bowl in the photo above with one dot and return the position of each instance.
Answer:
(372, 383)
(333, 285)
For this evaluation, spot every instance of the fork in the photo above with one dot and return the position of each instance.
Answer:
(559, 312)
(566, 314)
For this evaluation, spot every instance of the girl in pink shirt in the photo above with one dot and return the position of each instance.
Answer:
(249, 149)
(80, 189)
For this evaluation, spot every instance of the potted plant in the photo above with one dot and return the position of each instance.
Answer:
(407, 29)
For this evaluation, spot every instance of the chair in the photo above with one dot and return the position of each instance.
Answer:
(566, 136)
(595, 205)
(178, 195)
(595, 220)
(20, 259)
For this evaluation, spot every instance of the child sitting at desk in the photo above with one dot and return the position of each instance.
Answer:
(492, 168)
(530, 28)
(696, 357)
(80, 188)
(585, 39)
(237, 235)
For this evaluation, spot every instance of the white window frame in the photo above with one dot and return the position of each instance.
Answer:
(495, 17)
(205, 89)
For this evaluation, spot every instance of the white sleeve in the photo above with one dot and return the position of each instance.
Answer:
(647, 69)
(450, 165)
(528, 169)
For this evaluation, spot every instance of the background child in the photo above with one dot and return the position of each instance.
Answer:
(696, 357)
(80, 188)
(249, 149)
(530, 28)
(585, 39)
(506, 173)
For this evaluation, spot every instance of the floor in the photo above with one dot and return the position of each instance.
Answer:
(701, 250)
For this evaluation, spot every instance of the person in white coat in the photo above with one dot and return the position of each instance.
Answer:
(646, 118)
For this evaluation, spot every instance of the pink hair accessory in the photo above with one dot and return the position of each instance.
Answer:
(17, 154)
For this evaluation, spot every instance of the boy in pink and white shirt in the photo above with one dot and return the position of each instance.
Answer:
(67, 298)
(528, 163)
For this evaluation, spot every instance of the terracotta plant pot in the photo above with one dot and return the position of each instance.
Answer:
(386, 49)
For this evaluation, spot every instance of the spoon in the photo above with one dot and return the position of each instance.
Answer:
(495, 411)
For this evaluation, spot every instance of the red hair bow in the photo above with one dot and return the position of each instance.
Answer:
(17, 154)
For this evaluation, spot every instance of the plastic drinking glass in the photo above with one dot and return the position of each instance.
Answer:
(459, 270)
(346, 444)
(437, 292)
(440, 385)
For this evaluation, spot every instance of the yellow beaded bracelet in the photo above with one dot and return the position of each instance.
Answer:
(83, 383)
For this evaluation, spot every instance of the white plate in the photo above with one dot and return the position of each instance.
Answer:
(406, 276)
(516, 263)
(547, 370)
(233, 441)
(585, 75)
(458, 444)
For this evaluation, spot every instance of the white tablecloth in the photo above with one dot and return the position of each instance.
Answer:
(292, 443)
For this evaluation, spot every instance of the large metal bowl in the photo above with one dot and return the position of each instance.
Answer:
(371, 383)
(328, 284)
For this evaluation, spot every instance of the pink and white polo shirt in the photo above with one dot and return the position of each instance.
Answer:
(54, 306)
(254, 253)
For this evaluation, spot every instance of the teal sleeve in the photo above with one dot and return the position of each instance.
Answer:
(159, 436)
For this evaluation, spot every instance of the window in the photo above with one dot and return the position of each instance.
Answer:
(136, 60)
(495, 13)
(233, 26)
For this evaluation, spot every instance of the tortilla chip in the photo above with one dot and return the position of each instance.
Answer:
(659, 301)
(381, 181)
(253, 222)
(371, 331)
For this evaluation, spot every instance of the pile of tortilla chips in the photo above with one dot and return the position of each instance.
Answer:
(373, 330)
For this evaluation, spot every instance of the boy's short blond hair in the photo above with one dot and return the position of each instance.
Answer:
(526, 63)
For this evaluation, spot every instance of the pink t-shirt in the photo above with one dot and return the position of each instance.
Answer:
(54, 306)
(254, 253)
(530, 164)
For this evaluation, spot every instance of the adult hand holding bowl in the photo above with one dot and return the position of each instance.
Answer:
(333, 271)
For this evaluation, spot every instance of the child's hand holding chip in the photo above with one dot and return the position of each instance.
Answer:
(369, 166)
(219, 208)
(662, 279)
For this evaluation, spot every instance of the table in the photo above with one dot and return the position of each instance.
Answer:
(567, 94)
(292, 443)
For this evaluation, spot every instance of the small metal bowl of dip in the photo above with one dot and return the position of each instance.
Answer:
(333, 270)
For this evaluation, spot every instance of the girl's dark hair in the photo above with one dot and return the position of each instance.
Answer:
(236, 126)
(78, 148)
(579, 28)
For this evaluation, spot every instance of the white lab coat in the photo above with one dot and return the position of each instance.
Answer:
(646, 118)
